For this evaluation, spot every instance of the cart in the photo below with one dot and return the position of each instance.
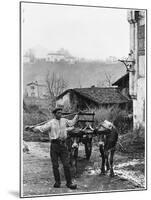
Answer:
(84, 130)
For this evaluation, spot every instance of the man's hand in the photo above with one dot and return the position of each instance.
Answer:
(36, 130)
(63, 137)
(79, 113)
(29, 128)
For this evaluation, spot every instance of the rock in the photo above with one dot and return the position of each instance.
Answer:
(25, 148)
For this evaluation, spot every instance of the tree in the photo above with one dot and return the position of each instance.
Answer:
(31, 54)
(55, 85)
(107, 82)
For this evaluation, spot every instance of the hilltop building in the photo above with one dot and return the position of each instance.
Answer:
(60, 55)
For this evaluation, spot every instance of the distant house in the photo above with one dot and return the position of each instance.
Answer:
(94, 97)
(26, 59)
(36, 94)
(34, 89)
(55, 57)
(60, 56)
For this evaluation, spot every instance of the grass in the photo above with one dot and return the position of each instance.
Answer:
(115, 115)
(32, 116)
(133, 141)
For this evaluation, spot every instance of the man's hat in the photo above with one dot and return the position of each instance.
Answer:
(56, 109)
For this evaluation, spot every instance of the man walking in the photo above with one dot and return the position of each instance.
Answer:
(57, 129)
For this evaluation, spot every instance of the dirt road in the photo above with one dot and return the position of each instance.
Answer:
(38, 177)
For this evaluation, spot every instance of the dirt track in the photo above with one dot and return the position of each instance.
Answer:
(38, 178)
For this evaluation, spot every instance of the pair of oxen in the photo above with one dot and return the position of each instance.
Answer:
(107, 135)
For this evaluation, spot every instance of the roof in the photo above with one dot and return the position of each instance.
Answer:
(120, 80)
(108, 95)
(36, 83)
(57, 54)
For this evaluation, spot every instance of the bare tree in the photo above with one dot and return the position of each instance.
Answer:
(55, 85)
(31, 54)
(107, 82)
(101, 83)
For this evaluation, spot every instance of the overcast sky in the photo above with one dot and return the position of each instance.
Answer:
(89, 32)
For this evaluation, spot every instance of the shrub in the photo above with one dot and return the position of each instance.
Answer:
(133, 141)
(114, 114)
(35, 116)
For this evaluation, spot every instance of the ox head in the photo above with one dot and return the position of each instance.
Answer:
(75, 143)
(106, 125)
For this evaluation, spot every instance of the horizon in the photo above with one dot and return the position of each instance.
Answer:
(86, 32)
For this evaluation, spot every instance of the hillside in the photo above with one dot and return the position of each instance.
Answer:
(83, 74)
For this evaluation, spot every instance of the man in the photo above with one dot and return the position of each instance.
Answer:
(57, 129)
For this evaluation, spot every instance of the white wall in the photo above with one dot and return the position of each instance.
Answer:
(64, 101)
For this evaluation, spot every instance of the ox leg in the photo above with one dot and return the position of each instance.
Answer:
(111, 163)
(76, 157)
(107, 160)
(103, 159)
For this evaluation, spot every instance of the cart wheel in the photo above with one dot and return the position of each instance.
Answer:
(88, 149)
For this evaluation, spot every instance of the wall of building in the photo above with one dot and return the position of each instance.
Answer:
(137, 79)
(64, 101)
(35, 90)
(32, 90)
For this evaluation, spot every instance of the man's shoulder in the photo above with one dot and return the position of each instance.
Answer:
(64, 119)
(51, 120)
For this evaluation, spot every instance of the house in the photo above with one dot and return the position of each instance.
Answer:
(123, 85)
(34, 89)
(36, 95)
(60, 55)
(55, 57)
(137, 79)
(93, 97)
(26, 59)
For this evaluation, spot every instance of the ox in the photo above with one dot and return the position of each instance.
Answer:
(72, 143)
(108, 137)
(76, 136)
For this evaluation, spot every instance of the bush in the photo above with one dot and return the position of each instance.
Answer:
(32, 117)
(133, 141)
(114, 114)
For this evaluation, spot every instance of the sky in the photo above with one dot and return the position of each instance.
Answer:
(86, 32)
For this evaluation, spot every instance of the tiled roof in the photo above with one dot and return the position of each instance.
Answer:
(108, 95)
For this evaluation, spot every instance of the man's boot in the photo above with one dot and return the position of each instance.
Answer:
(71, 186)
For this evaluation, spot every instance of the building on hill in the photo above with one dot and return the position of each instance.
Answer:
(34, 89)
(54, 57)
(94, 97)
(26, 59)
(60, 56)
